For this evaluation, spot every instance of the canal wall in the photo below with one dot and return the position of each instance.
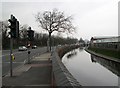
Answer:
(113, 64)
(109, 64)
(62, 77)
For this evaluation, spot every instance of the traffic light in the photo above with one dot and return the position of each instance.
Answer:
(30, 34)
(17, 29)
(14, 27)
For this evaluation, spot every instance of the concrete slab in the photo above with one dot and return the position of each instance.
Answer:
(19, 70)
(34, 75)
(42, 57)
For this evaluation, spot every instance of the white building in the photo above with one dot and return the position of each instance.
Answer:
(105, 39)
(106, 42)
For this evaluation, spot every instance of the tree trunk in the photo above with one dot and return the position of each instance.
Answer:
(50, 40)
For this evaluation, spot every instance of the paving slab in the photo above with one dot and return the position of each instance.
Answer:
(34, 75)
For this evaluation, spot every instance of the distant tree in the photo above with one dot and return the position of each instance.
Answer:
(5, 37)
(55, 21)
(82, 42)
(23, 40)
(5, 28)
(23, 31)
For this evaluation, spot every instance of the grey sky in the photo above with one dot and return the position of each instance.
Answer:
(91, 17)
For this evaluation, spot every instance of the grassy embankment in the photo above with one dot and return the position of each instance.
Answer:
(110, 53)
(63, 50)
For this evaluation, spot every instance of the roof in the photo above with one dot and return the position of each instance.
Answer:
(104, 37)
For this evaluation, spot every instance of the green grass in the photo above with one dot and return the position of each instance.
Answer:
(111, 53)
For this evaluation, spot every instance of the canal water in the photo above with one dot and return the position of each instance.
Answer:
(90, 70)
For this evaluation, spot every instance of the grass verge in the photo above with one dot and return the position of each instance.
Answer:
(110, 53)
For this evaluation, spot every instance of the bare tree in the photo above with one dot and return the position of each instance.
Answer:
(55, 21)
(23, 31)
(4, 28)
(4, 34)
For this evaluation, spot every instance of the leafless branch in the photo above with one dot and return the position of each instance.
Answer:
(55, 21)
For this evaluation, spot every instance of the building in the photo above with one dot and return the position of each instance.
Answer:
(106, 42)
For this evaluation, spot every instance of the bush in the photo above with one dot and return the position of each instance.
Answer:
(63, 50)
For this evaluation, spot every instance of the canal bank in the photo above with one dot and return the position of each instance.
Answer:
(103, 56)
(61, 76)
(89, 72)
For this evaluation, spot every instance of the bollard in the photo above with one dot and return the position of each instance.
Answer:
(13, 57)
(29, 57)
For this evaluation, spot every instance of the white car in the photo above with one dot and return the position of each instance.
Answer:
(34, 47)
(22, 48)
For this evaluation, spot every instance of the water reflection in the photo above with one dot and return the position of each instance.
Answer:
(110, 65)
(90, 70)
(81, 49)
(71, 54)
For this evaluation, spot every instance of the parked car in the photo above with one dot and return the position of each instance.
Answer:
(34, 47)
(22, 48)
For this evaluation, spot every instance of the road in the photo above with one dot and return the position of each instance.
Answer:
(20, 58)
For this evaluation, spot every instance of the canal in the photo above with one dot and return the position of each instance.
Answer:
(90, 70)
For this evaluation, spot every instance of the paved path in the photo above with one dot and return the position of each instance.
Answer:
(35, 75)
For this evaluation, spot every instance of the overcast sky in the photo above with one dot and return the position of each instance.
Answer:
(91, 17)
